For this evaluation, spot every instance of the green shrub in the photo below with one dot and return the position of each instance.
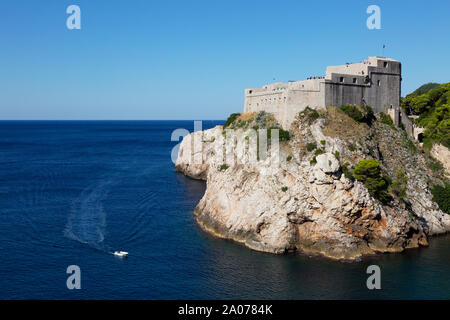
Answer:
(353, 112)
(284, 189)
(441, 195)
(313, 161)
(432, 103)
(369, 115)
(337, 155)
(309, 114)
(410, 145)
(265, 120)
(347, 172)
(435, 166)
(351, 147)
(296, 199)
(368, 171)
(289, 158)
(231, 119)
(386, 119)
(398, 187)
(311, 146)
(223, 167)
(322, 142)
(319, 151)
(283, 135)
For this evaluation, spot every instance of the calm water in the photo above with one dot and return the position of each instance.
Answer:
(71, 192)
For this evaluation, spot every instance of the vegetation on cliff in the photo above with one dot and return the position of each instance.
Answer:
(256, 121)
(441, 195)
(425, 88)
(310, 115)
(368, 171)
(380, 155)
(399, 186)
(354, 186)
(231, 118)
(374, 151)
(359, 113)
(432, 104)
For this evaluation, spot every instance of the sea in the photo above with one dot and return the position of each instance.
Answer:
(73, 192)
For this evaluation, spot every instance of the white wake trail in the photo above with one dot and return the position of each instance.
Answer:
(87, 221)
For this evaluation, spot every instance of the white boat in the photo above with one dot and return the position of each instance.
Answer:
(121, 254)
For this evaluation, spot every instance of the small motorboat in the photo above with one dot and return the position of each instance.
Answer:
(121, 254)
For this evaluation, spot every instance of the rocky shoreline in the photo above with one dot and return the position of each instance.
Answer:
(295, 200)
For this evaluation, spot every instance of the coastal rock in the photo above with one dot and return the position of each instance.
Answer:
(328, 163)
(277, 205)
(442, 154)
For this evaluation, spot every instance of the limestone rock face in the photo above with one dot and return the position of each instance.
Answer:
(442, 154)
(328, 163)
(194, 153)
(277, 205)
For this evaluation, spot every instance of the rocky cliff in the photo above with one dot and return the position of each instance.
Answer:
(301, 195)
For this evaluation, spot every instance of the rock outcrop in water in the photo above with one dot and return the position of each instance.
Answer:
(301, 197)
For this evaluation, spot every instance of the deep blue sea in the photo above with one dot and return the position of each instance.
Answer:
(71, 192)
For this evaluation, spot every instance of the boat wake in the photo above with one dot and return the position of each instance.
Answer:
(87, 221)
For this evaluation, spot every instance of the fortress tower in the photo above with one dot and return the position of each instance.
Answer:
(375, 82)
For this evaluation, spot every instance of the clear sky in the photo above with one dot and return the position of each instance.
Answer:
(193, 59)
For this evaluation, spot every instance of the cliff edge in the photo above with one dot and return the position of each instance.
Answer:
(302, 194)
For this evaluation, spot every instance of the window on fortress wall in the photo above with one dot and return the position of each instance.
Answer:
(341, 79)
(385, 64)
(379, 82)
(250, 91)
(354, 80)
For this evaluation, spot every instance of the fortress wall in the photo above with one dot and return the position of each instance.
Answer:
(342, 89)
(298, 100)
(381, 93)
(375, 82)
(354, 69)
(338, 94)
(286, 102)
(407, 123)
(385, 89)
(384, 92)
(267, 101)
(310, 84)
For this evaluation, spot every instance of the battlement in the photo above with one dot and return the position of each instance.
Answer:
(375, 82)
(365, 68)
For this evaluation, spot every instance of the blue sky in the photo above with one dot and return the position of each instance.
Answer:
(192, 59)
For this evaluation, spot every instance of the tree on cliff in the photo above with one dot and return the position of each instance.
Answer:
(433, 108)
(368, 171)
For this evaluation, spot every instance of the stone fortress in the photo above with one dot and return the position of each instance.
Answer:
(375, 82)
